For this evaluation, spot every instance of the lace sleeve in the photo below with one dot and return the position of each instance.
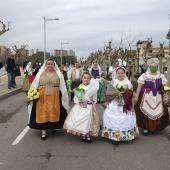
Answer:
(141, 79)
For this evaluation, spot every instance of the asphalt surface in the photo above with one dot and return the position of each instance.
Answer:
(62, 151)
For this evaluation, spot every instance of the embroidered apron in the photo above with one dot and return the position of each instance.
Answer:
(151, 104)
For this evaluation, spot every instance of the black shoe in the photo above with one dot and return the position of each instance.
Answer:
(145, 133)
(43, 137)
(13, 86)
(9, 87)
(83, 139)
(116, 143)
(54, 131)
(152, 132)
(88, 139)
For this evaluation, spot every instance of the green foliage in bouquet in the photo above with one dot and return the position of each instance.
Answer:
(79, 91)
(69, 83)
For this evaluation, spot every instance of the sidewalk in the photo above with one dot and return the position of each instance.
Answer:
(4, 91)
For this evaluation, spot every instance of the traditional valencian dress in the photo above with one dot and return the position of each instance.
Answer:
(48, 112)
(29, 77)
(100, 86)
(83, 118)
(151, 113)
(119, 122)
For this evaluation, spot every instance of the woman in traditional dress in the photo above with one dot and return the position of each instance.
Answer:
(30, 71)
(50, 110)
(152, 114)
(119, 120)
(29, 77)
(97, 81)
(83, 119)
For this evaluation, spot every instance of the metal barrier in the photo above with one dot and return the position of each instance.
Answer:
(2, 72)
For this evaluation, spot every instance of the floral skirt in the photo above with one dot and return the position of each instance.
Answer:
(74, 124)
(120, 135)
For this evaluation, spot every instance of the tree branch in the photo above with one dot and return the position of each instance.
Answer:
(4, 29)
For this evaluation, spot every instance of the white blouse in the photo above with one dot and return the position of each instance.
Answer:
(125, 82)
(146, 75)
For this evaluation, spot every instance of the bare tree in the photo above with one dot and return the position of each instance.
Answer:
(4, 29)
(19, 52)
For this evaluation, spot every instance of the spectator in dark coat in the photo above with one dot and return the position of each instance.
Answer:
(25, 64)
(10, 68)
(61, 67)
(36, 67)
(17, 71)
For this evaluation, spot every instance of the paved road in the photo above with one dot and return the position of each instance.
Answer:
(64, 151)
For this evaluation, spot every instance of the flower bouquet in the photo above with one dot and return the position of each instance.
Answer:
(69, 83)
(101, 81)
(33, 95)
(166, 90)
(120, 88)
(79, 91)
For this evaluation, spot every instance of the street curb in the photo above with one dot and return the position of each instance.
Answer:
(5, 95)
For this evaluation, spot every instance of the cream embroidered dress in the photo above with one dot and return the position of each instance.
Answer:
(117, 125)
(83, 118)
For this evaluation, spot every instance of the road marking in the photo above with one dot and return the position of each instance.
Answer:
(21, 135)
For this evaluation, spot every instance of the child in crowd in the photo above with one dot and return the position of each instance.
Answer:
(83, 119)
(119, 122)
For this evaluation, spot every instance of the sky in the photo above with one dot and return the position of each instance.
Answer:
(86, 25)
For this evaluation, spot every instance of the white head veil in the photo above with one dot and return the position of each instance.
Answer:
(98, 67)
(154, 60)
(35, 84)
(123, 69)
(28, 66)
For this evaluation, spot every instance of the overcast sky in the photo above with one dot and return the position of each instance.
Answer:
(85, 24)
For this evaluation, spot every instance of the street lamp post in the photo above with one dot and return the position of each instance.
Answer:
(61, 52)
(46, 19)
